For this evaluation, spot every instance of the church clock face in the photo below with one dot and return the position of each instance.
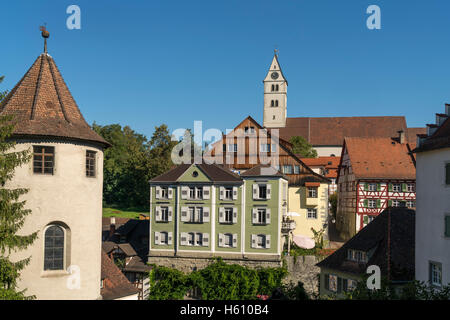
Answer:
(274, 75)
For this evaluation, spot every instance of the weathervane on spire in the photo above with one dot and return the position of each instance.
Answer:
(45, 34)
(275, 51)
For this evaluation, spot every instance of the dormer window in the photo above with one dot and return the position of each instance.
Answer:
(43, 159)
(357, 255)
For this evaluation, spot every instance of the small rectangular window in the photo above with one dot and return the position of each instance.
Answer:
(312, 192)
(447, 174)
(43, 159)
(435, 274)
(90, 163)
(312, 213)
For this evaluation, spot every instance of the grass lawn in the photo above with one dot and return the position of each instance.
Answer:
(124, 213)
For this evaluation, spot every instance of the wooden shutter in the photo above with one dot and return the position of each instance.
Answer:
(253, 240)
(220, 239)
(206, 214)
(366, 186)
(344, 285)
(268, 216)
(158, 192)
(184, 213)
(183, 238)
(157, 237)
(326, 278)
(339, 285)
(170, 213)
(269, 189)
(235, 236)
(366, 203)
(255, 215)
(366, 219)
(184, 192)
(221, 193)
(378, 186)
(390, 187)
(158, 213)
(378, 203)
(447, 174)
(447, 226)
(235, 193)
(390, 203)
(170, 192)
(235, 215)
(221, 214)
(205, 239)
(404, 187)
(268, 241)
(169, 238)
(255, 191)
(206, 192)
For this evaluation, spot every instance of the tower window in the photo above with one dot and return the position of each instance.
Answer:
(273, 87)
(54, 248)
(43, 159)
(272, 103)
(90, 163)
(276, 103)
(277, 88)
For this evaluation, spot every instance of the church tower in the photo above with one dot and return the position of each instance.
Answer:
(275, 96)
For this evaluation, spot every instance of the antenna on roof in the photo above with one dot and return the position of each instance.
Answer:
(45, 34)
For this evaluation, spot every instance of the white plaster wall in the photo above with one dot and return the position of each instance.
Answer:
(328, 151)
(70, 197)
(432, 204)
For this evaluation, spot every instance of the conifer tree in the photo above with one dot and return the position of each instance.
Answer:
(12, 212)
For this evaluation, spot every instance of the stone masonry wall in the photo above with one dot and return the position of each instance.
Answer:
(304, 269)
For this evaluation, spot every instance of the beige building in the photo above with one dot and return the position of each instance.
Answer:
(65, 179)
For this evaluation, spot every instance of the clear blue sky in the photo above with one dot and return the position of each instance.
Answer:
(143, 63)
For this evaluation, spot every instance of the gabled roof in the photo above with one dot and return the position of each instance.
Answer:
(396, 246)
(42, 105)
(438, 140)
(215, 172)
(331, 131)
(263, 170)
(380, 158)
(115, 284)
(330, 164)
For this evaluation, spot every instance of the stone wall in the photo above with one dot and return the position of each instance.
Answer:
(188, 264)
(304, 269)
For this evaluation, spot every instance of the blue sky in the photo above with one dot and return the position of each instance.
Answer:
(144, 63)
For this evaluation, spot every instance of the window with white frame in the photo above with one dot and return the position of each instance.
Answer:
(411, 187)
(195, 214)
(196, 193)
(163, 238)
(411, 204)
(372, 187)
(396, 187)
(262, 191)
(312, 213)
(372, 203)
(199, 239)
(164, 192)
(228, 217)
(332, 283)
(228, 239)
(262, 216)
(296, 169)
(351, 284)
(436, 274)
(261, 240)
(312, 192)
(265, 147)
(228, 193)
(287, 169)
(232, 147)
(357, 255)
(164, 214)
(191, 238)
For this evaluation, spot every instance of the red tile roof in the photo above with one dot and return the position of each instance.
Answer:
(330, 164)
(380, 158)
(332, 131)
(115, 284)
(42, 105)
(439, 139)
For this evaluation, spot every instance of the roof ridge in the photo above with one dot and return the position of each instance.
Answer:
(58, 94)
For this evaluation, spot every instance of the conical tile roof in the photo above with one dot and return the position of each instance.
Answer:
(42, 105)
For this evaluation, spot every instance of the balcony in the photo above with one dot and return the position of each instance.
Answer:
(312, 201)
(287, 226)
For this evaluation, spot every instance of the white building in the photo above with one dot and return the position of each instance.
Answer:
(433, 203)
(64, 179)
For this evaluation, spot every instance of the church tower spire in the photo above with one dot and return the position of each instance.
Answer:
(275, 96)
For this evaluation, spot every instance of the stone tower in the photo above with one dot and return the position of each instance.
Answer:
(64, 179)
(275, 96)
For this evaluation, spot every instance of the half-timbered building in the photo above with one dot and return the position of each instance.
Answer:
(374, 174)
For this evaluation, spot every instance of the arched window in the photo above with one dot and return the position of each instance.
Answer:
(54, 248)
(276, 103)
(272, 103)
(277, 88)
(273, 87)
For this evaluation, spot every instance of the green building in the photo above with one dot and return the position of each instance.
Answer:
(202, 211)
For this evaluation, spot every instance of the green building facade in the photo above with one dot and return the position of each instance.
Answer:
(205, 211)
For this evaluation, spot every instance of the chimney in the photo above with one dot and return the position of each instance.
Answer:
(401, 136)
(112, 227)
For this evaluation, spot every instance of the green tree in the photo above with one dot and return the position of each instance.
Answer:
(12, 213)
(333, 201)
(302, 147)
(131, 162)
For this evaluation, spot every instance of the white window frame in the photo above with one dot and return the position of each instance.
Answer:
(312, 213)
(372, 203)
(396, 187)
(372, 187)
(435, 273)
